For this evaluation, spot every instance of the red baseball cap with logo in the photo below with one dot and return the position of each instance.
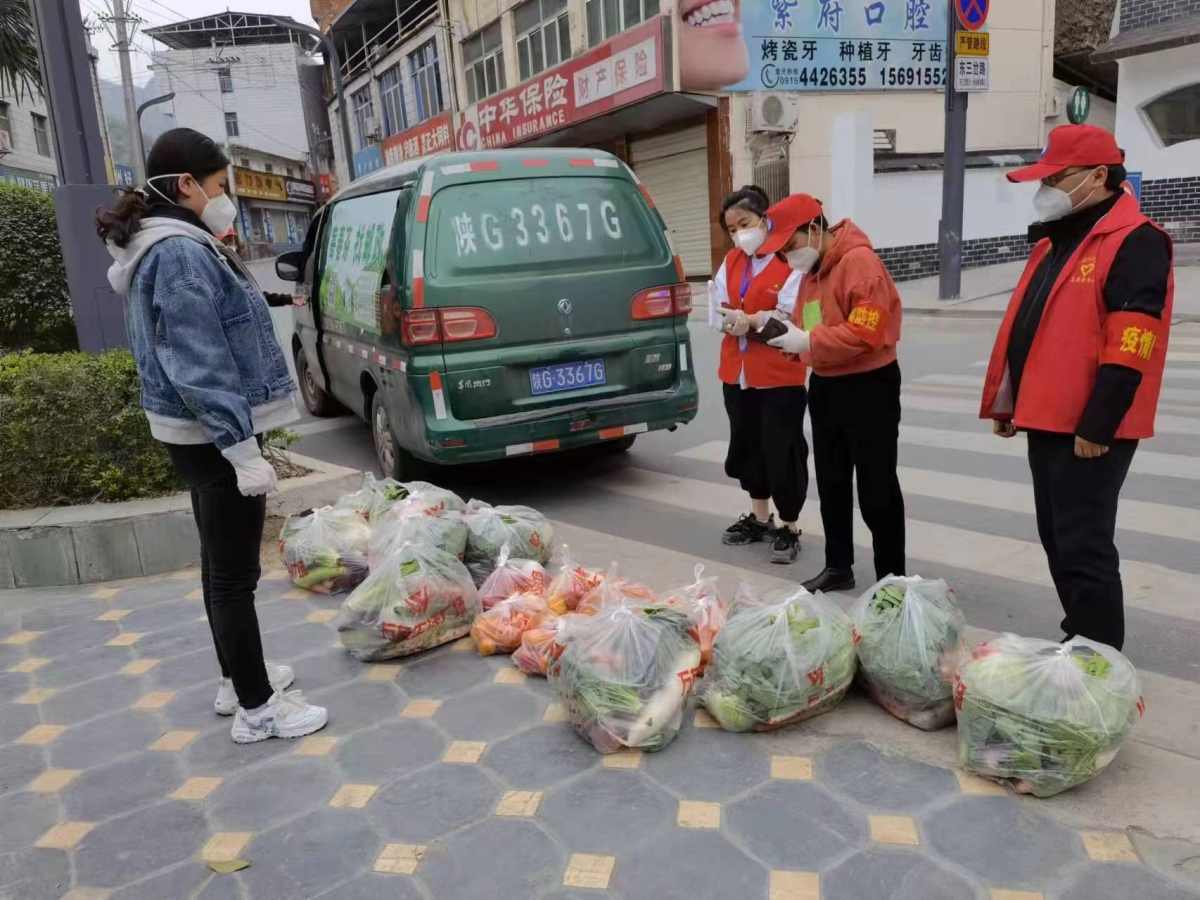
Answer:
(787, 217)
(1069, 146)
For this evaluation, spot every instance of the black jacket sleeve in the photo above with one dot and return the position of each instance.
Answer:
(1137, 282)
(277, 299)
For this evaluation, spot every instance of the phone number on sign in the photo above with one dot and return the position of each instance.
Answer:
(838, 77)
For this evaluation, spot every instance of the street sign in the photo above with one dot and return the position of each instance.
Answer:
(972, 13)
(1080, 106)
(970, 74)
(972, 43)
(1134, 180)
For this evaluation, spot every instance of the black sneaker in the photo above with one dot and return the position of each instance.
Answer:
(785, 546)
(831, 580)
(748, 530)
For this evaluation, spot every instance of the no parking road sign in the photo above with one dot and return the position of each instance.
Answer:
(972, 13)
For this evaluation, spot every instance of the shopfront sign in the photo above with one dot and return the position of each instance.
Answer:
(34, 181)
(367, 160)
(259, 185)
(299, 191)
(626, 69)
(434, 135)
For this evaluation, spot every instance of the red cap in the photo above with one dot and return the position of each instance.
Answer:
(785, 218)
(1072, 145)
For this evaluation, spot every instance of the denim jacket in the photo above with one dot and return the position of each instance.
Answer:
(210, 367)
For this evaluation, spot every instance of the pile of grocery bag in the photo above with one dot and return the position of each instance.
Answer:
(422, 568)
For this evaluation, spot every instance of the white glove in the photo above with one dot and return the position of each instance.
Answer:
(255, 476)
(735, 322)
(796, 340)
(714, 319)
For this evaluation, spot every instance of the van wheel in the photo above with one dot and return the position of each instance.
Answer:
(621, 445)
(316, 400)
(394, 461)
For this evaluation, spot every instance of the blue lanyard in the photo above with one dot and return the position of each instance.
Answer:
(747, 277)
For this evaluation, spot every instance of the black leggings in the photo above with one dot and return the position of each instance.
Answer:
(231, 530)
(768, 453)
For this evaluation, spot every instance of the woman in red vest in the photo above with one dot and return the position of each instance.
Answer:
(1078, 364)
(765, 396)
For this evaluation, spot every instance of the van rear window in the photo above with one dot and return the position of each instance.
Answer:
(572, 224)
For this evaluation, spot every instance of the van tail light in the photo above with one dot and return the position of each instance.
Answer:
(449, 325)
(662, 302)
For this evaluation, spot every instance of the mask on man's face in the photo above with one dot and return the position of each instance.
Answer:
(1052, 203)
(806, 257)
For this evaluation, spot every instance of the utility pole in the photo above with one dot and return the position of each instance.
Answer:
(954, 168)
(120, 17)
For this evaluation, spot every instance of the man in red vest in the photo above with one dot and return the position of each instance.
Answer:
(1078, 364)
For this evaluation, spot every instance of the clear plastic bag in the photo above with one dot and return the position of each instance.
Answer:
(537, 651)
(444, 530)
(572, 583)
(526, 531)
(499, 630)
(779, 660)
(415, 599)
(624, 675)
(325, 550)
(1045, 716)
(909, 637)
(375, 498)
(704, 606)
(613, 590)
(426, 499)
(512, 576)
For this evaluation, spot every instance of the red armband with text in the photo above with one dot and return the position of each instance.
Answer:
(1131, 339)
(870, 323)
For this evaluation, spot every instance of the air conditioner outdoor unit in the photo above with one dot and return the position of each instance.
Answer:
(773, 112)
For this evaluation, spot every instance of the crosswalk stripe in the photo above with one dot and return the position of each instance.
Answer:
(1182, 356)
(975, 385)
(910, 399)
(1147, 586)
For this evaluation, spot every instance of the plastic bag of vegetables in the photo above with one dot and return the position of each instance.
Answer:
(512, 576)
(534, 655)
(704, 606)
(614, 590)
(573, 582)
(908, 633)
(375, 498)
(526, 532)
(1045, 716)
(426, 499)
(499, 630)
(416, 598)
(325, 550)
(778, 661)
(444, 530)
(624, 675)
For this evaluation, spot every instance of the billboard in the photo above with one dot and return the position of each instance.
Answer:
(259, 185)
(431, 136)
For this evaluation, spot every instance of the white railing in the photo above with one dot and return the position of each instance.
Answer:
(409, 20)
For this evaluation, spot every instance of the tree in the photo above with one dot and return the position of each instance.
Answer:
(19, 71)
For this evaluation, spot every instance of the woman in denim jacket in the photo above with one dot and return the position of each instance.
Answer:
(213, 380)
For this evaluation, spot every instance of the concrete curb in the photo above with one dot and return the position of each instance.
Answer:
(114, 541)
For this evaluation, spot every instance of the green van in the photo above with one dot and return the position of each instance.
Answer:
(472, 306)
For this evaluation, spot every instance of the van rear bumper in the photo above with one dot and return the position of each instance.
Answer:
(564, 428)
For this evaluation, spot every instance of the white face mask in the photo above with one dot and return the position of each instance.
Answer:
(1051, 204)
(218, 214)
(749, 240)
(803, 259)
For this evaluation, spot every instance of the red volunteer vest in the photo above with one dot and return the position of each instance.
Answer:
(765, 366)
(1077, 335)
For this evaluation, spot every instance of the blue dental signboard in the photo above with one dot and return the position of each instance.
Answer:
(844, 45)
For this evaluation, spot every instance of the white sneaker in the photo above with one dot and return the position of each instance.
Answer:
(279, 675)
(285, 716)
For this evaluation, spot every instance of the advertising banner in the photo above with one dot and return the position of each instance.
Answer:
(259, 185)
(624, 70)
(326, 186)
(355, 257)
(431, 136)
(299, 191)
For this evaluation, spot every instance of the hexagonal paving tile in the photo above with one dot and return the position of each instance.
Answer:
(715, 868)
(16, 720)
(96, 663)
(731, 764)
(222, 887)
(31, 874)
(215, 753)
(19, 765)
(443, 673)
(192, 710)
(1001, 841)
(274, 615)
(173, 642)
(379, 755)
(489, 712)
(13, 684)
(326, 669)
(26, 817)
(433, 802)
(541, 756)
(893, 874)
(306, 856)
(185, 670)
(105, 791)
(180, 881)
(139, 844)
(521, 861)
(96, 698)
(254, 800)
(1121, 881)
(106, 739)
(376, 887)
(883, 782)
(795, 825)
(161, 617)
(57, 614)
(606, 812)
(297, 640)
(359, 704)
(74, 639)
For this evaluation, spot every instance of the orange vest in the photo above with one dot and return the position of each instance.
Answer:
(765, 366)
(1077, 335)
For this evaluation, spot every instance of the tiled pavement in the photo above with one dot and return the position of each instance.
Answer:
(450, 777)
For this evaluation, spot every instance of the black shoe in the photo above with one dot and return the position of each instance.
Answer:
(831, 580)
(748, 530)
(785, 546)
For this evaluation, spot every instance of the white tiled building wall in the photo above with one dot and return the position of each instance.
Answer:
(25, 153)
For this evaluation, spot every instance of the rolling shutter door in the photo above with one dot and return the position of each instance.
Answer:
(674, 169)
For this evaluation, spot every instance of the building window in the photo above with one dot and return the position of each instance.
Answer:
(543, 35)
(41, 134)
(606, 18)
(231, 125)
(289, 171)
(226, 77)
(391, 101)
(427, 80)
(483, 54)
(244, 163)
(363, 107)
(268, 168)
(1175, 117)
(6, 123)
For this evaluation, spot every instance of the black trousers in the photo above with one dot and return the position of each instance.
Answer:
(856, 431)
(1076, 502)
(768, 453)
(231, 530)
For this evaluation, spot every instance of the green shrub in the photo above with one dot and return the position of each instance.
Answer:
(35, 304)
(72, 431)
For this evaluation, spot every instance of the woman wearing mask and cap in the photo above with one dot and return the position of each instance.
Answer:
(213, 380)
(764, 392)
